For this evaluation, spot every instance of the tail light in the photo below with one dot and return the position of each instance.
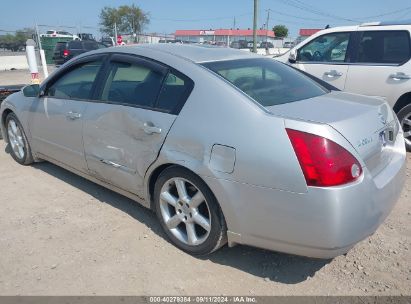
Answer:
(323, 162)
(66, 53)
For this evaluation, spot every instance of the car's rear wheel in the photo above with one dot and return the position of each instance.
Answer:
(404, 116)
(20, 148)
(189, 212)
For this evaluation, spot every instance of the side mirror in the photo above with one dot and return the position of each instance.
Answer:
(31, 90)
(293, 56)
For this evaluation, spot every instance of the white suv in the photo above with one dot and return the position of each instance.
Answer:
(370, 59)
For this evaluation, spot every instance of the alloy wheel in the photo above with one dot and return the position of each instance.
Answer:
(406, 126)
(185, 211)
(16, 139)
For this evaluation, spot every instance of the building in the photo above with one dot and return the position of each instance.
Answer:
(308, 32)
(223, 36)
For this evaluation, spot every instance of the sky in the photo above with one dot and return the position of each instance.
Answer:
(166, 16)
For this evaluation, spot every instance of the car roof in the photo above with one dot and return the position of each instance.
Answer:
(192, 52)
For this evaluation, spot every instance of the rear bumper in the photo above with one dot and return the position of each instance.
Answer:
(321, 223)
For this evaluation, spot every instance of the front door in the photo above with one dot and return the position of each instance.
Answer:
(56, 119)
(326, 58)
(124, 132)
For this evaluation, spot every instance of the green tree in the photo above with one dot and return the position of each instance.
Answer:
(129, 19)
(17, 41)
(280, 31)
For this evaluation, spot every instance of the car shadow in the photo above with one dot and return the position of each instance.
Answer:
(272, 266)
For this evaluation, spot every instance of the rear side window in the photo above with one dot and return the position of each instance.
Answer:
(89, 46)
(132, 84)
(267, 81)
(174, 92)
(386, 47)
(77, 83)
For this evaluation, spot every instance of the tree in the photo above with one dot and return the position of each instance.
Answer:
(17, 41)
(280, 31)
(129, 19)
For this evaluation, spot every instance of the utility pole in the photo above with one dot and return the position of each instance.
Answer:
(268, 20)
(115, 34)
(255, 26)
(234, 24)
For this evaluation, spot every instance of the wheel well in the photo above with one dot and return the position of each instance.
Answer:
(4, 116)
(402, 102)
(152, 181)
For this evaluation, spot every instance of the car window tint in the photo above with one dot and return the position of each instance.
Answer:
(77, 83)
(132, 84)
(89, 46)
(326, 48)
(391, 47)
(267, 81)
(75, 44)
(174, 92)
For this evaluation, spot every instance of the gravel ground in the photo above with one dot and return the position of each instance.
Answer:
(63, 235)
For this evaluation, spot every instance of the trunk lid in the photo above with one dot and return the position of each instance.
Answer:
(367, 123)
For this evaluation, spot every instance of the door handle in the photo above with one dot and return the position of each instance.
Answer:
(400, 76)
(149, 128)
(73, 115)
(333, 73)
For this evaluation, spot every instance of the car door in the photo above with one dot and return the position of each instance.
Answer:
(381, 65)
(326, 58)
(56, 118)
(124, 131)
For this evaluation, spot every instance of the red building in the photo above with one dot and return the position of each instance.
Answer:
(308, 32)
(223, 35)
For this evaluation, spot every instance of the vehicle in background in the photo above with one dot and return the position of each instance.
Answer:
(288, 44)
(60, 34)
(221, 43)
(370, 59)
(251, 43)
(108, 41)
(239, 44)
(64, 51)
(224, 145)
(86, 36)
(266, 45)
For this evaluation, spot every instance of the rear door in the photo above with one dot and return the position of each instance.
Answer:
(326, 57)
(123, 132)
(381, 65)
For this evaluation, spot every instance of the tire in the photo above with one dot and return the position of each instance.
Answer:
(19, 146)
(404, 116)
(197, 223)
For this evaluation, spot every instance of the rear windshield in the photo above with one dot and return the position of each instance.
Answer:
(267, 81)
(90, 45)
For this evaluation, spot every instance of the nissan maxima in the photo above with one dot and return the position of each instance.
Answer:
(225, 146)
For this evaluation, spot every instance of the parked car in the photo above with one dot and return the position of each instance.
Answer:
(108, 41)
(371, 59)
(223, 144)
(251, 43)
(266, 45)
(64, 51)
(288, 44)
(61, 34)
(240, 44)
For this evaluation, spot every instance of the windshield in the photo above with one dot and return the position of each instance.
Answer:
(267, 81)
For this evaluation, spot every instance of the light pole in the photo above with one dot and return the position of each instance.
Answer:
(255, 26)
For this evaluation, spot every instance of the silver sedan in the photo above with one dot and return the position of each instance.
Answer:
(225, 146)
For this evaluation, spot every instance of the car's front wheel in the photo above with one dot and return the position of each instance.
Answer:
(20, 148)
(188, 211)
(404, 116)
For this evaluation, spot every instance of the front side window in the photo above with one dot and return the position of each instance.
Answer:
(386, 47)
(327, 48)
(132, 84)
(77, 83)
(267, 81)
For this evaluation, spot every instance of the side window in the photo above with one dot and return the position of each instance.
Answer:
(389, 47)
(77, 83)
(174, 91)
(327, 48)
(133, 84)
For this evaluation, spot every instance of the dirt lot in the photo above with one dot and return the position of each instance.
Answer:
(60, 234)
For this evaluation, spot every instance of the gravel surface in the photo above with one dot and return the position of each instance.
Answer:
(63, 235)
